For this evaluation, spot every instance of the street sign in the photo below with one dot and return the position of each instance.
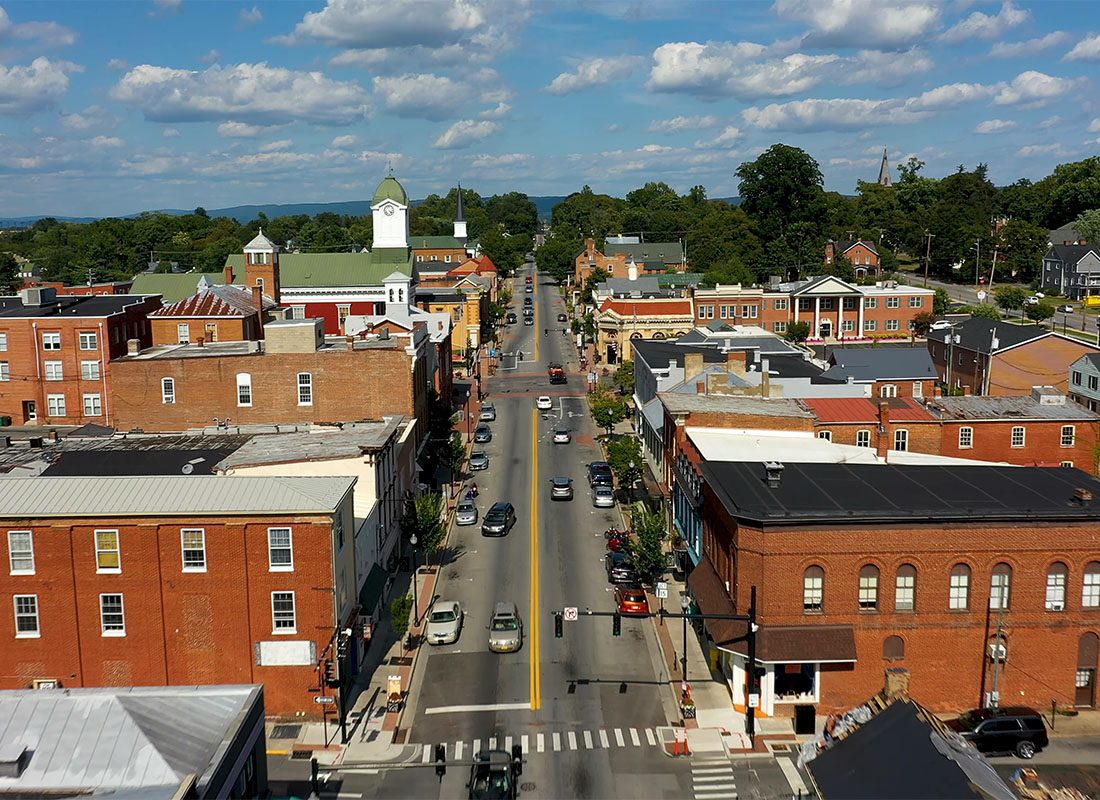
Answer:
(591, 377)
(570, 614)
(982, 295)
(324, 701)
(662, 590)
(492, 352)
(754, 701)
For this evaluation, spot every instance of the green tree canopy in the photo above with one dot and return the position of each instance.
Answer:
(780, 188)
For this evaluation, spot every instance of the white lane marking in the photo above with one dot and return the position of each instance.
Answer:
(427, 756)
(458, 750)
(572, 740)
(587, 740)
(603, 739)
(508, 744)
(727, 778)
(718, 794)
(650, 737)
(790, 772)
(492, 743)
(475, 747)
(634, 737)
(695, 770)
(619, 738)
(540, 742)
(485, 707)
(523, 744)
(557, 742)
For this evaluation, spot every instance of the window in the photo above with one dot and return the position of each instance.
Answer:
(282, 613)
(723, 312)
(342, 312)
(1076, 378)
(749, 312)
(888, 390)
(89, 370)
(905, 588)
(1066, 464)
(805, 304)
(168, 391)
(868, 588)
(1018, 435)
(892, 325)
(779, 327)
(55, 405)
(966, 437)
(1090, 586)
(870, 326)
(863, 438)
(420, 259)
(870, 302)
(901, 440)
(826, 303)
(108, 555)
(305, 389)
(1093, 381)
(916, 302)
(848, 325)
(918, 389)
(112, 618)
(959, 595)
(5, 371)
(1000, 587)
(849, 304)
(893, 302)
(51, 341)
(1057, 578)
(893, 648)
(280, 552)
(260, 285)
(26, 616)
(54, 371)
(1069, 435)
(813, 589)
(244, 389)
(781, 304)
(183, 333)
(826, 435)
(706, 312)
(21, 552)
(3, 342)
(297, 312)
(93, 405)
(193, 541)
(89, 340)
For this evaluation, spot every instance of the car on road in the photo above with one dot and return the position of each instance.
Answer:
(1012, 729)
(544, 403)
(561, 488)
(563, 318)
(556, 373)
(528, 279)
(530, 289)
(466, 513)
(444, 622)
(482, 434)
(599, 474)
(505, 629)
(488, 413)
(562, 436)
(529, 321)
(528, 312)
(479, 459)
(940, 325)
(511, 319)
(1066, 309)
(499, 519)
(631, 599)
(492, 776)
(619, 569)
(528, 301)
(603, 496)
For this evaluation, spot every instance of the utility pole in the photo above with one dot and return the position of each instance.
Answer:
(927, 254)
(995, 695)
(977, 261)
(992, 269)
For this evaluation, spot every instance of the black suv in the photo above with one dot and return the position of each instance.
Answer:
(1013, 729)
(499, 520)
(599, 474)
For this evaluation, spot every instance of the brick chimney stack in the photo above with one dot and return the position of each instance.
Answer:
(258, 301)
(885, 431)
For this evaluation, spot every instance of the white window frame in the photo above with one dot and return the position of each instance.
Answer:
(1021, 439)
(184, 549)
(20, 554)
(297, 312)
(5, 371)
(26, 614)
(51, 340)
(905, 591)
(813, 593)
(779, 327)
(868, 590)
(870, 302)
(93, 404)
(966, 437)
(918, 389)
(888, 390)
(863, 438)
(1069, 435)
(276, 614)
(343, 311)
(1000, 590)
(916, 301)
(893, 325)
(101, 550)
(1057, 579)
(826, 435)
(870, 326)
(1090, 586)
(959, 590)
(90, 371)
(782, 304)
(3, 342)
(168, 391)
(183, 333)
(112, 629)
(893, 302)
(848, 325)
(901, 437)
(271, 548)
(55, 406)
(54, 370)
(244, 382)
(89, 340)
(305, 389)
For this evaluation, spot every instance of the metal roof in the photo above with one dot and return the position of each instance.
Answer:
(997, 408)
(977, 334)
(880, 364)
(860, 409)
(668, 252)
(281, 448)
(436, 243)
(309, 270)
(84, 306)
(173, 286)
(169, 495)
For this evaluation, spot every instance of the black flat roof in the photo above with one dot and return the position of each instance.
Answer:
(96, 305)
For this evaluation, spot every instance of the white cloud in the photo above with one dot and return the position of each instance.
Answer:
(272, 147)
(89, 118)
(240, 130)
(1050, 122)
(1094, 126)
(862, 23)
(505, 160)
(951, 95)
(166, 7)
(117, 64)
(831, 115)
(614, 127)
(107, 141)
(253, 93)
(743, 70)
(729, 135)
(498, 112)
(986, 26)
(44, 34)
(594, 72)
(884, 68)
(995, 126)
(423, 96)
(211, 57)
(170, 133)
(1088, 49)
(24, 90)
(680, 124)
(343, 142)
(1029, 47)
(372, 24)
(1042, 150)
(250, 16)
(1035, 89)
(464, 133)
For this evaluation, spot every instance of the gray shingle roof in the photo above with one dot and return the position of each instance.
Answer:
(977, 334)
(282, 448)
(1071, 253)
(870, 363)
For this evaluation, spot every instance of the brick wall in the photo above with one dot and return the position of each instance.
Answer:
(165, 330)
(992, 441)
(591, 259)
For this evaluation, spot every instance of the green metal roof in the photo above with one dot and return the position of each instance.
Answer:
(436, 243)
(309, 270)
(390, 189)
(174, 287)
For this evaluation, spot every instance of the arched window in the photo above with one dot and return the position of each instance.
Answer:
(905, 588)
(813, 589)
(863, 438)
(1057, 578)
(1000, 588)
(658, 335)
(1090, 587)
(893, 649)
(868, 588)
(959, 597)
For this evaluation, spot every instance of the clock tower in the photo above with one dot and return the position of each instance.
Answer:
(390, 208)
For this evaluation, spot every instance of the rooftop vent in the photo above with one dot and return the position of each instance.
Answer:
(773, 471)
(13, 760)
(1082, 496)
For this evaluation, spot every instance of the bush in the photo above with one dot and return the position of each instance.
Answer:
(400, 609)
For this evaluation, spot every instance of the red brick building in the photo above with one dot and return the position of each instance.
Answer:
(862, 255)
(936, 569)
(214, 314)
(56, 353)
(183, 580)
(900, 423)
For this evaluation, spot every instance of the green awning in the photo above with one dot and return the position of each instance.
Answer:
(371, 592)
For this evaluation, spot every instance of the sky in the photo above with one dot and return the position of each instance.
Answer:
(111, 108)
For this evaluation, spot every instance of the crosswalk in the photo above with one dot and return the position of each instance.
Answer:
(712, 778)
(553, 742)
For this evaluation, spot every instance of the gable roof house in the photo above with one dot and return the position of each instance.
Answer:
(889, 371)
(862, 254)
(1072, 270)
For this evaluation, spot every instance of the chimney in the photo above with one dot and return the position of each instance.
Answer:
(937, 391)
(773, 473)
(228, 275)
(258, 301)
(765, 379)
(632, 271)
(200, 340)
(700, 387)
(897, 682)
(882, 441)
(693, 365)
(133, 347)
(967, 391)
(737, 361)
(351, 342)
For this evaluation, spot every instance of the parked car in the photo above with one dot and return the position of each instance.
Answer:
(479, 459)
(466, 513)
(528, 312)
(562, 436)
(511, 319)
(488, 413)
(544, 403)
(599, 474)
(1033, 300)
(940, 325)
(1040, 295)
(444, 622)
(505, 629)
(529, 321)
(619, 569)
(562, 317)
(1012, 729)
(528, 301)
(482, 434)
(603, 496)
(1065, 309)
(499, 519)
(631, 599)
(561, 488)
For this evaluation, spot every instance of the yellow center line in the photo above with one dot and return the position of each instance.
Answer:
(533, 634)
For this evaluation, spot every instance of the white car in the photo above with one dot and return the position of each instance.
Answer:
(939, 325)
(544, 403)
(562, 436)
(1033, 300)
(444, 622)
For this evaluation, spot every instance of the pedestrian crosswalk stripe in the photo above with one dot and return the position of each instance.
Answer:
(596, 739)
(492, 743)
(424, 759)
(619, 738)
(523, 744)
(557, 742)
(508, 744)
(650, 737)
(458, 750)
(634, 737)
(587, 740)
(723, 795)
(712, 778)
(540, 742)
(572, 737)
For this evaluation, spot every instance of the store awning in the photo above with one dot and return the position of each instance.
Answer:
(799, 644)
(373, 586)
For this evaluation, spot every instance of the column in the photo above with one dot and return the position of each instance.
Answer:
(795, 301)
(859, 329)
(839, 332)
(817, 319)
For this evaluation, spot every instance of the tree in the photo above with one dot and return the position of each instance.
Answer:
(649, 555)
(557, 256)
(607, 409)
(941, 302)
(783, 186)
(624, 377)
(10, 282)
(423, 517)
(1023, 246)
(798, 331)
(200, 212)
(586, 214)
(985, 311)
(455, 456)
(624, 455)
(1010, 298)
(922, 323)
(842, 268)
(400, 609)
(513, 211)
(1037, 312)
(1074, 188)
(1088, 225)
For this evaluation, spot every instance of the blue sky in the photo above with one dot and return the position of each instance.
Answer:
(115, 107)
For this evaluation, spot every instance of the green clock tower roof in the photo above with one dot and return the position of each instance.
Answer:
(390, 189)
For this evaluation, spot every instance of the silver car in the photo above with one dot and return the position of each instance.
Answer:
(479, 459)
(562, 436)
(466, 513)
(505, 629)
(488, 413)
(444, 622)
(603, 497)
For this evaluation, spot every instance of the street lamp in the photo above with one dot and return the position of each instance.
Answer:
(416, 597)
(685, 604)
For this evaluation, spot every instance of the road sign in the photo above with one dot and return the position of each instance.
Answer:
(662, 590)
(591, 377)
(570, 613)
(754, 701)
(324, 701)
(982, 295)
(492, 352)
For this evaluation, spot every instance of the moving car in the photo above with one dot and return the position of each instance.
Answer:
(1012, 729)
(556, 373)
(528, 279)
(492, 776)
(499, 520)
(1066, 309)
(511, 319)
(529, 321)
(544, 403)
(505, 629)
(562, 436)
(479, 459)
(561, 488)
(530, 289)
(528, 301)
(466, 513)
(562, 318)
(483, 433)
(444, 622)
(619, 569)
(939, 325)
(603, 496)
(599, 474)
(488, 413)
(528, 312)
(631, 599)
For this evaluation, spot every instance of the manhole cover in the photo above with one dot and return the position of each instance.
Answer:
(286, 731)
(527, 787)
(398, 661)
(302, 755)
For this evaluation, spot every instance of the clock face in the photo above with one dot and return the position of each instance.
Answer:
(388, 211)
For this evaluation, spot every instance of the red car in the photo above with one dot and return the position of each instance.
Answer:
(631, 600)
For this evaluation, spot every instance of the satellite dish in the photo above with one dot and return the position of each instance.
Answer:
(188, 469)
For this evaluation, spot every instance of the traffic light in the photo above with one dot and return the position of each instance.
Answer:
(330, 674)
(440, 760)
(557, 625)
(343, 641)
(517, 760)
(617, 624)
